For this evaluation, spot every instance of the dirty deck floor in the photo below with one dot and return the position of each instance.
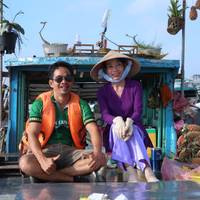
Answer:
(18, 188)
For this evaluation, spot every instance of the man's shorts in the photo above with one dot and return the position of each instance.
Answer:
(68, 154)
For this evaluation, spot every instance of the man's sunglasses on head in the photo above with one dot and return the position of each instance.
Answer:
(59, 79)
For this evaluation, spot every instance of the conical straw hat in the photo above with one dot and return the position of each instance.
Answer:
(135, 68)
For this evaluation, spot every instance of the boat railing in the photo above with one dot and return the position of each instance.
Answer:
(128, 49)
(82, 49)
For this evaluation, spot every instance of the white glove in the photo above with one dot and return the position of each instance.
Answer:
(119, 127)
(128, 128)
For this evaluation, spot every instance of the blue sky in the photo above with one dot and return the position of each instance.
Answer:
(66, 18)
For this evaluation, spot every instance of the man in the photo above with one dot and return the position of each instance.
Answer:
(55, 134)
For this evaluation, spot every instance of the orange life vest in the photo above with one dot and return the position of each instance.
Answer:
(75, 121)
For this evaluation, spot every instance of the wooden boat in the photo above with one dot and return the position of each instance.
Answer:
(28, 78)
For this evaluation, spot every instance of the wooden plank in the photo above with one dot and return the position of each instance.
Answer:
(5, 74)
(2, 138)
(9, 155)
(11, 167)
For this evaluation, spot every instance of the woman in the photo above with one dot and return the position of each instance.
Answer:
(120, 102)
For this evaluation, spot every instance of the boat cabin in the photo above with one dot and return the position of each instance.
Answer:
(29, 77)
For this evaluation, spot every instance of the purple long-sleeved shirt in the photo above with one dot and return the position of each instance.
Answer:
(128, 105)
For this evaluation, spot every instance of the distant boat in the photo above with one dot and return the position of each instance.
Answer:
(189, 88)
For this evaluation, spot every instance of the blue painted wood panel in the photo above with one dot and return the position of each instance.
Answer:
(166, 68)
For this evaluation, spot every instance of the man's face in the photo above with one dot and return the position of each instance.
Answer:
(62, 81)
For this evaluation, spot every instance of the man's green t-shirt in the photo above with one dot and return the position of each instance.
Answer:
(61, 133)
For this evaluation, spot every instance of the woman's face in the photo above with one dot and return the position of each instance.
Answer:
(114, 68)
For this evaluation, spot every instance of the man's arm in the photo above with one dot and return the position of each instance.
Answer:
(33, 130)
(95, 136)
(96, 143)
(47, 164)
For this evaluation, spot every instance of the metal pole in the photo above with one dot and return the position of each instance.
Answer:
(1, 67)
(183, 50)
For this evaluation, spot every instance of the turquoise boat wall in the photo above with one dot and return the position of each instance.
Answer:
(90, 60)
(23, 69)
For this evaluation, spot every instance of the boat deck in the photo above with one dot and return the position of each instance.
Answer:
(18, 188)
(13, 186)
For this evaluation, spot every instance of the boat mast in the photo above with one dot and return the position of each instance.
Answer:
(183, 49)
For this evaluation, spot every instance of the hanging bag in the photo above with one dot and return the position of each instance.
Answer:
(154, 98)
